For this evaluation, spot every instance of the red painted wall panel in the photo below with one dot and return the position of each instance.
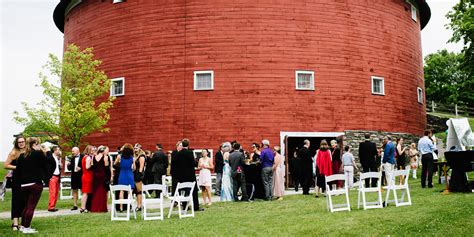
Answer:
(254, 48)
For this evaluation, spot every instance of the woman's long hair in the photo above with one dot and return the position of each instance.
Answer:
(127, 150)
(30, 142)
(15, 142)
(16, 150)
(323, 146)
(89, 149)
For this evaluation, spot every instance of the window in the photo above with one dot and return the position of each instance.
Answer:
(413, 12)
(378, 86)
(117, 87)
(304, 80)
(118, 1)
(198, 153)
(420, 95)
(203, 80)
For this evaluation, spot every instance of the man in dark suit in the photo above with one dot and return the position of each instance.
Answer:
(237, 162)
(306, 167)
(159, 164)
(75, 166)
(219, 167)
(367, 157)
(184, 165)
(173, 170)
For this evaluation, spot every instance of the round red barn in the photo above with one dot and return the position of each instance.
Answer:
(266, 68)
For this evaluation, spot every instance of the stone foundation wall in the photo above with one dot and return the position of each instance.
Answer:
(352, 138)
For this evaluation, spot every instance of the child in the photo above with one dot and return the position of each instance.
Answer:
(349, 165)
(413, 154)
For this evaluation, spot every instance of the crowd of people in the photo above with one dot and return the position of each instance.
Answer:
(95, 170)
(307, 170)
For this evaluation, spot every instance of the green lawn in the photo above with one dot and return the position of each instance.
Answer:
(431, 214)
(3, 171)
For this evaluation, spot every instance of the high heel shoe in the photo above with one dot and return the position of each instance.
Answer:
(83, 210)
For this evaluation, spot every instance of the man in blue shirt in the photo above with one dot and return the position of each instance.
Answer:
(426, 147)
(388, 161)
(267, 159)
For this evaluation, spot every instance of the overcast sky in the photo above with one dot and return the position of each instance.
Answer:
(28, 34)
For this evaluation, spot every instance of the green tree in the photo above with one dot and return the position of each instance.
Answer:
(462, 23)
(445, 80)
(76, 101)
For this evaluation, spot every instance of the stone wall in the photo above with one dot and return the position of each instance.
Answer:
(352, 138)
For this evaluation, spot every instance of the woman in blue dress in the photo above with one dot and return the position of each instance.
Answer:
(126, 168)
(226, 188)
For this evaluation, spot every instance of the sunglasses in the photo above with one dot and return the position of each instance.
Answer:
(20, 142)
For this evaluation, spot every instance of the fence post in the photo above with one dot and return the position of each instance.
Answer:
(432, 106)
(456, 110)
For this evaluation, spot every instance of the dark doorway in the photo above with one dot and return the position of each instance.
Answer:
(292, 146)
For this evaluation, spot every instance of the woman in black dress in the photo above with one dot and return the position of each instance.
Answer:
(18, 202)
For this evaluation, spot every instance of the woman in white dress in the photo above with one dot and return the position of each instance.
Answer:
(205, 166)
(226, 188)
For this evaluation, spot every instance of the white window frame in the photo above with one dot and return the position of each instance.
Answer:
(297, 72)
(413, 12)
(198, 152)
(382, 86)
(118, 1)
(196, 73)
(112, 90)
(419, 95)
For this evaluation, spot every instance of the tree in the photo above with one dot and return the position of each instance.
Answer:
(446, 81)
(462, 23)
(76, 101)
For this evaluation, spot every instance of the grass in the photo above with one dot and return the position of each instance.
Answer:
(431, 214)
(3, 171)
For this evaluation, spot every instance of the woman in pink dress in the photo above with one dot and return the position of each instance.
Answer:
(278, 174)
(205, 166)
(323, 166)
(99, 190)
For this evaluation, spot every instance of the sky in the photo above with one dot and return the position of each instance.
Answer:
(28, 35)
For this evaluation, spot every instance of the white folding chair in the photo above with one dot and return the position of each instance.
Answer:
(148, 201)
(363, 190)
(65, 185)
(393, 187)
(181, 195)
(128, 202)
(168, 182)
(3, 189)
(329, 193)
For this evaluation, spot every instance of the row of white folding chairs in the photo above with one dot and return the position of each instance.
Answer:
(183, 194)
(391, 187)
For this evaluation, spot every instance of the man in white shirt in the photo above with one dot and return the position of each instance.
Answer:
(426, 148)
(54, 180)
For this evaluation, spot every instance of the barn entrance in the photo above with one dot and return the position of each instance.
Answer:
(290, 142)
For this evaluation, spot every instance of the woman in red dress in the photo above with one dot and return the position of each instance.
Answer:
(87, 162)
(323, 165)
(99, 189)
